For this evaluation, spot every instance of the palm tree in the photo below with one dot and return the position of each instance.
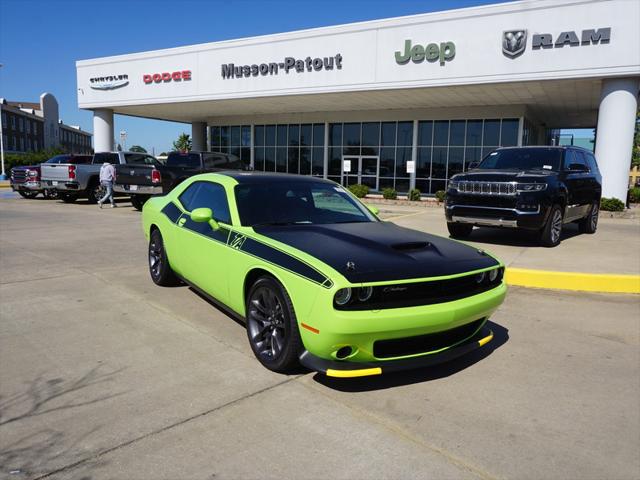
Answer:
(183, 144)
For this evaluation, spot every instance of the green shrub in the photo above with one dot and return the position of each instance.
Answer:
(611, 205)
(634, 195)
(414, 195)
(389, 193)
(358, 190)
(440, 194)
(30, 158)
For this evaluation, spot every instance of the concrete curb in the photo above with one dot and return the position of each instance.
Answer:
(576, 281)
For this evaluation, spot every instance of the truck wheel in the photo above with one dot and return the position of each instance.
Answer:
(272, 327)
(552, 230)
(159, 267)
(68, 197)
(138, 201)
(95, 192)
(459, 230)
(50, 193)
(27, 194)
(589, 224)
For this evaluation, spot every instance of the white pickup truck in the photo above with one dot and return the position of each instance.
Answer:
(74, 181)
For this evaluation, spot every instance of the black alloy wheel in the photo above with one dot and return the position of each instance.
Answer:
(159, 267)
(28, 194)
(50, 193)
(552, 231)
(459, 230)
(95, 192)
(589, 224)
(272, 327)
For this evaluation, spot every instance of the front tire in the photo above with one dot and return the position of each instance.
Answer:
(589, 224)
(459, 230)
(552, 230)
(159, 268)
(272, 327)
(27, 194)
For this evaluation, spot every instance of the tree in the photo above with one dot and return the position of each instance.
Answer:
(183, 144)
(138, 148)
(635, 155)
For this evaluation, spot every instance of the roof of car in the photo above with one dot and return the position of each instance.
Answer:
(269, 177)
(555, 147)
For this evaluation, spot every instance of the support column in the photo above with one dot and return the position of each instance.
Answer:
(414, 156)
(199, 136)
(614, 144)
(103, 130)
(325, 150)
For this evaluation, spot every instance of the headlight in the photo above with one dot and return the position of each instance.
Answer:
(493, 274)
(364, 293)
(32, 173)
(480, 277)
(453, 185)
(531, 187)
(342, 296)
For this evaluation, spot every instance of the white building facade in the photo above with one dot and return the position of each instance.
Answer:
(403, 102)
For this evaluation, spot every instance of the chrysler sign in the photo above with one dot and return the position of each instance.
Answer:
(108, 82)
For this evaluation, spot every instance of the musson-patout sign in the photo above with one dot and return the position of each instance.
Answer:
(290, 64)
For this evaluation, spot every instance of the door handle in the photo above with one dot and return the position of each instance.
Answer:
(182, 221)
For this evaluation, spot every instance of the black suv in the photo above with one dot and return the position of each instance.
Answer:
(533, 188)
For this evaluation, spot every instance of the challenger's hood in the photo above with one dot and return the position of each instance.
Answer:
(380, 251)
(503, 175)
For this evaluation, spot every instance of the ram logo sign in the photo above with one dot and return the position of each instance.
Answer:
(514, 42)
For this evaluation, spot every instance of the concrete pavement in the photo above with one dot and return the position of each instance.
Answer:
(104, 375)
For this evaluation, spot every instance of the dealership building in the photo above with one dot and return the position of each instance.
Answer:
(402, 102)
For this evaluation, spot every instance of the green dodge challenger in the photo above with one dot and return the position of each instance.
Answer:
(318, 279)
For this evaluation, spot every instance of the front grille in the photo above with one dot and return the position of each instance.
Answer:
(400, 347)
(493, 201)
(487, 188)
(19, 176)
(424, 293)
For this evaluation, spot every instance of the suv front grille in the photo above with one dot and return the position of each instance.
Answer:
(400, 347)
(487, 188)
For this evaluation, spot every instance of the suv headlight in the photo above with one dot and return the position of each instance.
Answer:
(453, 185)
(531, 187)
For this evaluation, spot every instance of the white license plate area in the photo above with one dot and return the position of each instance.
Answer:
(133, 188)
(54, 183)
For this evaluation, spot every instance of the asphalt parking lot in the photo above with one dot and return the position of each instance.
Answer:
(104, 375)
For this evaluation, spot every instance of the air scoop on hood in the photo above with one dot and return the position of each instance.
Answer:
(380, 251)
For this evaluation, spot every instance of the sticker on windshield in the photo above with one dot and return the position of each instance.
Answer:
(339, 189)
(492, 154)
(547, 167)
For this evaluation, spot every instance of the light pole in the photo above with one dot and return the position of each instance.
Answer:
(3, 175)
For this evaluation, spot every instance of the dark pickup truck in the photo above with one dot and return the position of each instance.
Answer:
(539, 189)
(143, 181)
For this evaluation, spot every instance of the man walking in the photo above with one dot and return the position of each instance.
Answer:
(107, 176)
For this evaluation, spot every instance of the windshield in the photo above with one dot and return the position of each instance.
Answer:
(297, 203)
(523, 159)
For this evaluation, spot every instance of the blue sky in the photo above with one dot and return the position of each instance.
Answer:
(41, 40)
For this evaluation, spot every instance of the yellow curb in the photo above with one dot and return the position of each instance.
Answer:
(584, 282)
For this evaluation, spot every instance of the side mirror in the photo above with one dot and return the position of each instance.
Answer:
(204, 215)
(373, 209)
(577, 167)
(473, 165)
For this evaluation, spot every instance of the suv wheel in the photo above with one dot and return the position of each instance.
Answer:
(589, 224)
(552, 231)
(159, 267)
(459, 230)
(272, 327)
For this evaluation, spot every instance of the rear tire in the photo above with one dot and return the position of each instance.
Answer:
(138, 201)
(552, 231)
(159, 267)
(272, 327)
(50, 193)
(589, 224)
(459, 230)
(95, 192)
(27, 194)
(68, 197)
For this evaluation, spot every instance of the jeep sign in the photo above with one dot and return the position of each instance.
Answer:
(431, 52)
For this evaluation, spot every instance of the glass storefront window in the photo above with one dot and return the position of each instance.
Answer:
(441, 132)
(405, 134)
(351, 134)
(509, 132)
(335, 134)
(388, 137)
(456, 133)
(425, 133)
(371, 134)
(258, 133)
(491, 132)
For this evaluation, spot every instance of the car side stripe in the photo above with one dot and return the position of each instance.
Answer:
(247, 245)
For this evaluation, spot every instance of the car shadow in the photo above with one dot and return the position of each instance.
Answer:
(427, 374)
(515, 238)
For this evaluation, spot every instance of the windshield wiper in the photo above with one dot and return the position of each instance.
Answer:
(279, 224)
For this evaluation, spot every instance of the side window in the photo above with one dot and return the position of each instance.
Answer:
(573, 156)
(140, 159)
(591, 161)
(105, 157)
(207, 195)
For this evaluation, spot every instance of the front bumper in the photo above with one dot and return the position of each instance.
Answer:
(341, 369)
(484, 216)
(138, 189)
(26, 186)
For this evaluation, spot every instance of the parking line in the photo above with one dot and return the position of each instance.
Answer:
(403, 216)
